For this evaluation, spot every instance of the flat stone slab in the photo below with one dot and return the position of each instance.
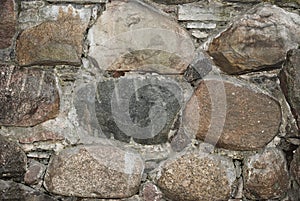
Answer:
(140, 39)
(228, 113)
(99, 171)
(27, 96)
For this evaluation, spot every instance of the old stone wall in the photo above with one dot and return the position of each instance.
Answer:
(149, 100)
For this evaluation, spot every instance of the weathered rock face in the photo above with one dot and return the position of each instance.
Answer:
(94, 171)
(12, 160)
(295, 166)
(258, 40)
(173, 1)
(34, 173)
(266, 175)
(150, 192)
(290, 81)
(54, 42)
(16, 191)
(27, 97)
(231, 115)
(7, 23)
(140, 107)
(197, 177)
(136, 41)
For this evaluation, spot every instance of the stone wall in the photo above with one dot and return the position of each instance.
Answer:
(175, 100)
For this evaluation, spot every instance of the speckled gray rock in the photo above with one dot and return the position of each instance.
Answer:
(265, 175)
(16, 191)
(56, 41)
(27, 96)
(140, 39)
(199, 176)
(12, 160)
(295, 166)
(258, 40)
(141, 107)
(101, 171)
(8, 17)
(230, 114)
(290, 81)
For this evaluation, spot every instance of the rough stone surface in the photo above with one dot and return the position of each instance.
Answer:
(260, 39)
(57, 41)
(295, 166)
(231, 114)
(7, 23)
(16, 191)
(200, 176)
(150, 192)
(101, 171)
(265, 175)
(141, 38)
(290, 81)
(12, 160)
(27, 97)
(174, 1)
(80, 1)
(141, 107)
(34, 173)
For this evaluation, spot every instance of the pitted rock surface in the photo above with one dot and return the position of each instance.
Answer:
(100, 171)
(199, 176)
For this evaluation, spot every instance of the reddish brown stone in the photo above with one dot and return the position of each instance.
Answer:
(251, 119)
(150, 192)
(7, 23)
(34, 173)
(27, 97)
(258, 40)
(265, 175)
(53, 42)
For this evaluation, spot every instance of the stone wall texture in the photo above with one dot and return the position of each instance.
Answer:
(149, 100)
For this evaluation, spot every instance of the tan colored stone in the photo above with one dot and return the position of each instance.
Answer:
(100, 171)
(230, 114)
(27, 97)
(7, 22)
(197, 177)
(53, 42)
(265, 175)
(258, 40)
(132, 36)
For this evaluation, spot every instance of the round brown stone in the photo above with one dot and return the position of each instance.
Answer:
(231, 115)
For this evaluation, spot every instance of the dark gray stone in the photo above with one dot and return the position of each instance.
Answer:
(290, 81)
(142, 107)
(199, 68)
(11, 191)
(7, 23)
(12, 160)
